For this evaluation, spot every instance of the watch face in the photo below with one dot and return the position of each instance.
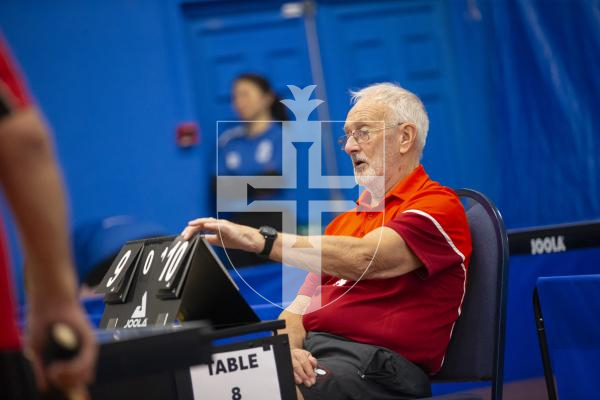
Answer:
(268, 231)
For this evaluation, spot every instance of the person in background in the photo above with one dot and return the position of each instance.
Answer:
(33, 186)
(253, 147)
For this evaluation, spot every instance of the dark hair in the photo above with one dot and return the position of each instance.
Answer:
(278, 110)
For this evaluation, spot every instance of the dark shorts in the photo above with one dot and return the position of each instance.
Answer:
(350, 370)
(16, 377)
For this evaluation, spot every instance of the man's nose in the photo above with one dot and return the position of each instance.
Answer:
(351, 145)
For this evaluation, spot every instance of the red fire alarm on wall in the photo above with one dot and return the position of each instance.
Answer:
(187, 134)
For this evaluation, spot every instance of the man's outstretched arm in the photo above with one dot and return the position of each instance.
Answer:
(380, 254)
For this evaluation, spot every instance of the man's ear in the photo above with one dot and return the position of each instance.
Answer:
(408, 137)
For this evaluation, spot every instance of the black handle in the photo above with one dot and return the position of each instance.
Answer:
(62, 344)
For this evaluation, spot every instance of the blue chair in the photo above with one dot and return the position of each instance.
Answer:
(569, 334)
(476, 348)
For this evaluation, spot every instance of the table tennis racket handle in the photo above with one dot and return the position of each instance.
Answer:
(62, 344)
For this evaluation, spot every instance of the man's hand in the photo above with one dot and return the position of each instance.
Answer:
(304, 365)
(224, 233)
(70, 376)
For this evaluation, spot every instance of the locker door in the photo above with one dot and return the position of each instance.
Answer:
(254, 38)
(405, 42)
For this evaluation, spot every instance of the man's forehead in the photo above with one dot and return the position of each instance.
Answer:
(365, 111)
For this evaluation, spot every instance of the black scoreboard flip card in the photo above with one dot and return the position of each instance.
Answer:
(118, 279)
(175, 269)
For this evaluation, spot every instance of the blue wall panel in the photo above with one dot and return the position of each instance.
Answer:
(412, 43)
(108, 77)
(224, 46)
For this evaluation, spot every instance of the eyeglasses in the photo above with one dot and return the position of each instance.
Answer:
(362, 135)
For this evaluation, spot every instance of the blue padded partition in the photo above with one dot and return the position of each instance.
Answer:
(571, 309)
(95, 241)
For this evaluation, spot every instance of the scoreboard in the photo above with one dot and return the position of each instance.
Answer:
(155, 282)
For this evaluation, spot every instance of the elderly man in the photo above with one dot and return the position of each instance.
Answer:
(405, 267)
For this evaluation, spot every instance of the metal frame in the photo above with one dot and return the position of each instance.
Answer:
(279, 343)
(153, 363)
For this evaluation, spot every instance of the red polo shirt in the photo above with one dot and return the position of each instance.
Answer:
(412, 314)
(13, 96)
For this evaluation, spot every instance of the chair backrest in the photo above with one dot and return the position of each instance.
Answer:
(476, 348)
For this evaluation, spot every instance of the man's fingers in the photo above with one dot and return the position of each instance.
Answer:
(193, 226)
(214, 239)
(212, 226)
(197, 221)
(202, 221)
(71, 373)
(75, 373)
(198, 225)
(61, 376)
(309, 370)
(188, 232)
(299, 370)
(304, 370)
(87, 357)
(297, 378)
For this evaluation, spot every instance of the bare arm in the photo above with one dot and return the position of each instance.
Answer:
(293, 321)
(33, 186)
(383, 250)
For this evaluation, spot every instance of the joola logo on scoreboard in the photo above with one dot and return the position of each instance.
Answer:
(138, 318)
(234, 191)
(548, 244)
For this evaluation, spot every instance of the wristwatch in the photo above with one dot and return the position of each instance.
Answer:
(270, 234)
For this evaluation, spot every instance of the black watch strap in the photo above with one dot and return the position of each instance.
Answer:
(270, 234)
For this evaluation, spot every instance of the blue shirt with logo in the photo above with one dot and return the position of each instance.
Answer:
(240, 154)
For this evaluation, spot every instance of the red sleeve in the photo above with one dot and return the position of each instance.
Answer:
(431, 241)
(13, 92)
(310, 285)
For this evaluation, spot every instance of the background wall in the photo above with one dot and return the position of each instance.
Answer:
(110, 78)
(511, 88)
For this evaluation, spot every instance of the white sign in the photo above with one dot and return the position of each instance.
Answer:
(249, 374)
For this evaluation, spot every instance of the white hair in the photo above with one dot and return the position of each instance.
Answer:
(405, 106)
